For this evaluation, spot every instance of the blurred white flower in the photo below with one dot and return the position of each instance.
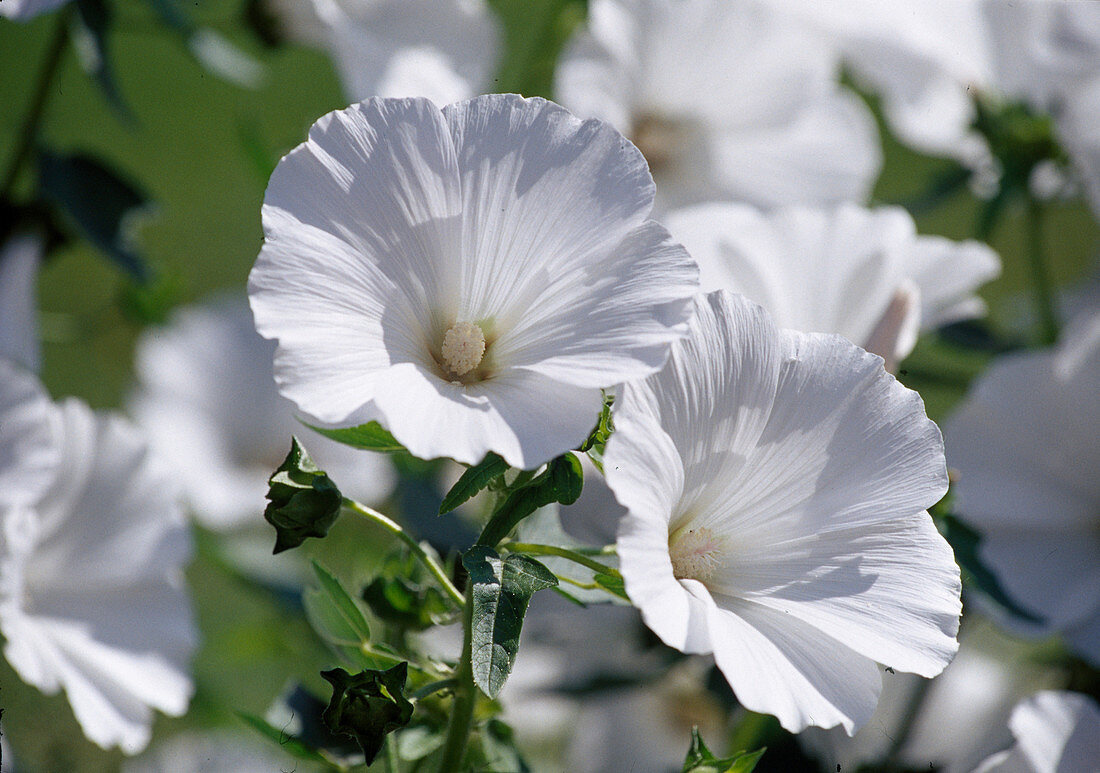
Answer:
(444, 50)
(726, 100)
(22, 10)
(207, 399)
(91, 596)
(20, 258)
(1025, 445)
(960, 717)
(862, 273)
(1056, 732)
(925, 58)
(471, 278)
(776, 484)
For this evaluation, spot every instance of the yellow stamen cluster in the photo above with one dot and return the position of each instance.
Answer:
(463, 348)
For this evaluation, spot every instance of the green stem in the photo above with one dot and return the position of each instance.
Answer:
(572, 555)
(1040, 275)
(431, 688)
(29, 130)
(392, 764)
(465, 692)
(391, 526)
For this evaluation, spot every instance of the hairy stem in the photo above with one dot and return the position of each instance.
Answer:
(421, 555)
(465, 691)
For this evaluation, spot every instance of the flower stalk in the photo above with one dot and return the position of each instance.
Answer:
(571, 555)
(1040, 274)
(430, 563)
(465, 694)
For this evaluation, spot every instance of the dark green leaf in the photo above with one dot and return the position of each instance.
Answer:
(368, 705)
(498, 745)
(98, 202)
(473, 480)
(333, 612)
(95, 20)
(501, 592)
(700, 759)
(286, 742)
(561, 481)
(964, 541)
(304, 502)
(370, 437)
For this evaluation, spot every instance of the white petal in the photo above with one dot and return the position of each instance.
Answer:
(524, 417)
(29, 451)
(828, 153)
(784, 667)
(366, 210)
(19, 261)
(948, 273)
(1056, 732)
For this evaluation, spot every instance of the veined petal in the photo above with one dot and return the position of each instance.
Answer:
(791, 669)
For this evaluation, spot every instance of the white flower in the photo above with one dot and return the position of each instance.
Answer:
(1025, 445)
(401, 239)
(22, 10)
(207, 400)
(726, 100)
(20, 258)
(925, 58)
(1056, 732)
(960, 716)
(90, 572)
(441, 49)
(862, 273)
(29, 453)
(776, 485)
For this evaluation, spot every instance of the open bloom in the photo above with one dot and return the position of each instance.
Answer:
(1055, 731)
(471, 278)
(91, 596)
(207, 400)
(1025, 445)
(776, 484)
(726, 100)
(862, 273)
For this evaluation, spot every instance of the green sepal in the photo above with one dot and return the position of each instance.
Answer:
(502, 589)
(473, 480)
(561, 481)
(371, 436)
(368, 706)
(700, 759)
(304, 502)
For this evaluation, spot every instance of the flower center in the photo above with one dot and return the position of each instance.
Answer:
(463, 348)
(695, 553)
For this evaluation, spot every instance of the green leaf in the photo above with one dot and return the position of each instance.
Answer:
(304, 502)
(612, 584)
(700, 759)
(964, 541)
(99, 202)
(333, 612)
(370, 436)
(405, 594)
(501, 592)
(286, 742)
(498, 745)
(368, 706)
(473, 480)
(561, 481)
